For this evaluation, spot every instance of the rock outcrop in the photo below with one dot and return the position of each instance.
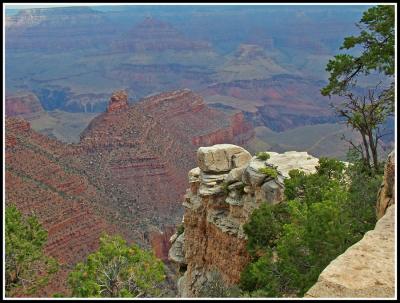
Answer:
(118, 101)
(386, 195)
(367, 268)
(25, 105)
(224, 190)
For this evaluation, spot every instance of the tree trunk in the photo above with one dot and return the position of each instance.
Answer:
(373, 145)
(367, 153)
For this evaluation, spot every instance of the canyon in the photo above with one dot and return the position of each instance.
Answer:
(125, 176)
(262, 68)
(142, 121)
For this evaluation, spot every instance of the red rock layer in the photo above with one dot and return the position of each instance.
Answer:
(160, 242)
(64, 201)
(148, 148)
(209, 248)
(118, 101)
(23, 104)
(130, 168)
(239, 132)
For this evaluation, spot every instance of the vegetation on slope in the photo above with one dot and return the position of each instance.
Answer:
(117, 270)
(27, 268)
(324, 213)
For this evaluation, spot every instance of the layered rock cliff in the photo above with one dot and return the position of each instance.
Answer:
(26, 105)
(57, 29)
(156, 35)
(128, 169)
(224, 190)
(66, 203)
(367, 268)
(282, 101)
(141, 154)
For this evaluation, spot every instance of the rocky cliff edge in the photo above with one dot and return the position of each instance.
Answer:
(224, 190)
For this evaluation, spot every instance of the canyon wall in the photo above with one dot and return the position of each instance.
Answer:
(26, 105)
(126, 175)
(65, 202)
(146, 150)
(224, 190)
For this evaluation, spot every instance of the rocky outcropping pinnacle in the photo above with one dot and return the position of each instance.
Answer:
(118, 101)
(225, 189)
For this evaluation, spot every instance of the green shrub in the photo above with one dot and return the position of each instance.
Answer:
(117, 270)
(258, 277)
(265, 227)
(331, 168)
(24, 258)
(263, 156)
(215, 287)
(269, 171)
(224, 187)
(322, 217)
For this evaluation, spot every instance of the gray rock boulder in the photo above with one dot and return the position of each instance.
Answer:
(221, 158)
(273, 192)
(235, 175)
(177, 250)
(251, 175)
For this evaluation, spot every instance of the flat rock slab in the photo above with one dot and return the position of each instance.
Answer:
(293, 160)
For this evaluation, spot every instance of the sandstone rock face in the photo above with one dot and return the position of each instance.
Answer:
(25, 105)
(69, 207)
(293, 160)
(118, 101)
(177, 251)
(160, 243)
(386, 195)
(224, 191)
(142, 154)
(364, 270)
(221, 158)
